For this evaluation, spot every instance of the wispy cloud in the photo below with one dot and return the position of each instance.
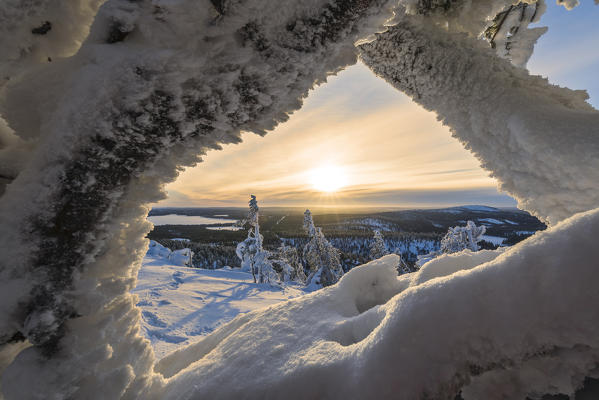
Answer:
(393, 152)
(387, 152)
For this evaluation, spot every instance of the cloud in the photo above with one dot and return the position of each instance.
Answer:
(387, 145)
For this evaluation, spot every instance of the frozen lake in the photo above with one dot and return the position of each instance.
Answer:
(224, 228)
(174, 219)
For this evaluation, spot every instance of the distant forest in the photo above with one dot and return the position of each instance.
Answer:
(406, 232)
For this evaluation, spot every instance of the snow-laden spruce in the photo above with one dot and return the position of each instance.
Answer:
(461, 238)
(322, 259)
(253, 256)
(377, 247)
(287, 262)
(91, 139)
(152, 88)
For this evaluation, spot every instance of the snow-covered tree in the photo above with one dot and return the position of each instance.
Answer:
(288, 265)
(456, 239)
(320, 256)
(183, 257)
(264, 268)
(309, 226)
(378, 248)
(253, 214)
(402, 267)
(253, 256)
(461, 238)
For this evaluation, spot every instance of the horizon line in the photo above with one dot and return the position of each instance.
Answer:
(438, 206)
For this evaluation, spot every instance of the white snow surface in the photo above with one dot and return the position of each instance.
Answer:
(470, 320)
(180, 305)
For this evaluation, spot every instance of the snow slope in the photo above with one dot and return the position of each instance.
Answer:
(179, 305)
(487, 323)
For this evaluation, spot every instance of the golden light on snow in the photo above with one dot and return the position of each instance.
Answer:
(328, 178)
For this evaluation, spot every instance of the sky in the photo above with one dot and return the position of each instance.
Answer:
(359, 142)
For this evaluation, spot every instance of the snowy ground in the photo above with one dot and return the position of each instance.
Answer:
(180, 304)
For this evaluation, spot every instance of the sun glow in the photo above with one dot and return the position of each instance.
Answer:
(328, 178)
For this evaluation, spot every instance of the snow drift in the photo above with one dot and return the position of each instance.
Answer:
(156, 84)
(180, 305)
(424, 335)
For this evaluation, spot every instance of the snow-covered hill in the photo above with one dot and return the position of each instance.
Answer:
(180, 304)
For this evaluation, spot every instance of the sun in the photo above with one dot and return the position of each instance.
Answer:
(328, 178)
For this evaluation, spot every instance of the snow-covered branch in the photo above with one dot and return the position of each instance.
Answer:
(152, 87)
(538, 140)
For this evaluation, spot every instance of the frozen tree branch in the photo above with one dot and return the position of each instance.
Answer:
(537, 139)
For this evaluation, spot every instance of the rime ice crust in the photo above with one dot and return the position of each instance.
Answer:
(169, 82)
(538, 140)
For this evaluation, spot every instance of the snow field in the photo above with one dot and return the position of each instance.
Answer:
(470, 321)
(179, 305)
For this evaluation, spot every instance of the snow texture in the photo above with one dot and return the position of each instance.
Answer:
(463, 322)
(181, 305)
(155, 85)
(508, 33)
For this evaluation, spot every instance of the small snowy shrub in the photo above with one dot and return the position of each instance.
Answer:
(457, 239)
(461, 238)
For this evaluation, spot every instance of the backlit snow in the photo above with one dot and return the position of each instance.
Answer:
(180, 304)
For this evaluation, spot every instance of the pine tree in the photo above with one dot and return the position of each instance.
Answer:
(251, 253)
(321, 257)
(378, 248)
